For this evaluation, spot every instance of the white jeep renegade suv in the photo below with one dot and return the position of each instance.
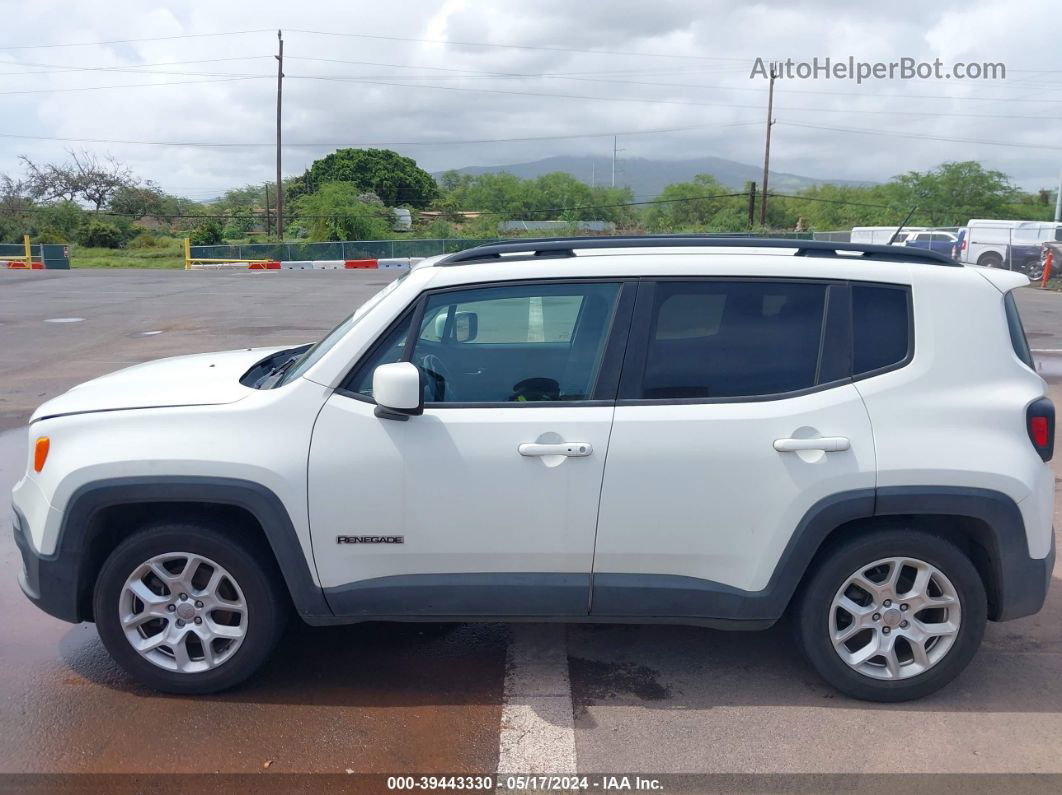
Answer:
(681, 430)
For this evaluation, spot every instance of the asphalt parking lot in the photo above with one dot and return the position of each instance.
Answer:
(416, 698)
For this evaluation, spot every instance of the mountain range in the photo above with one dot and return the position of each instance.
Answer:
(647, 178)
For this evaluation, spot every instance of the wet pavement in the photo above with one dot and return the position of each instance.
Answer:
(406, 698)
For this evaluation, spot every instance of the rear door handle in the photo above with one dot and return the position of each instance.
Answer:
(830, 444)
(571, 449)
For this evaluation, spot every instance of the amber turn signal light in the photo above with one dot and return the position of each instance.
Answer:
(40, 453)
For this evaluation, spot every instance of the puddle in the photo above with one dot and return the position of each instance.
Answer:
(594, 681)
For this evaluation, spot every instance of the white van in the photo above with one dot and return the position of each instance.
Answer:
(1014, 245)
(881, 235)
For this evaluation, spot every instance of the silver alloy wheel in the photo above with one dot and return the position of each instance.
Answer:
(895, 618)
(183, 612)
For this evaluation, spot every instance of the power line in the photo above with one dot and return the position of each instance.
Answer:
(654, 101)
(375, 143)
(920, 136)
(130, 41)
(133, 85)
(48, 68)
(582, 77)
(516, 46)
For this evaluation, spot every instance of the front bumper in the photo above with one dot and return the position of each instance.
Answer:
(50, 583)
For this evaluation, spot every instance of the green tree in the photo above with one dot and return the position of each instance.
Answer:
(337, 211)
(58, 222)
(687, 205)
(397, 180)
(136, 201)
(953, 193)
(240, 221)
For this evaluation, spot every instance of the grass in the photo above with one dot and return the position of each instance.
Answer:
(167, 254)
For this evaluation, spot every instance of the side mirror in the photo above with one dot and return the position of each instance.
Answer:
(466, 326)
(397, 390)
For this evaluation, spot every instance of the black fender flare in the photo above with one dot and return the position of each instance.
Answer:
(259, 501)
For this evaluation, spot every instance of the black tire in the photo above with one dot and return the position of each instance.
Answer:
(990, 259)
(1033, 268)
(255, 573)
(813, 608)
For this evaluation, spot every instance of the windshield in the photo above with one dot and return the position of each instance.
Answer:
(315, 352)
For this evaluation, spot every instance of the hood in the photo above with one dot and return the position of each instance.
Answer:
(203, 379)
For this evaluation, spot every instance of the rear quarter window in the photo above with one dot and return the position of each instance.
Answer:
(1017, 331)
(881, 327)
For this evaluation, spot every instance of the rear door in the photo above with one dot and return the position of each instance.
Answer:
(736, 415)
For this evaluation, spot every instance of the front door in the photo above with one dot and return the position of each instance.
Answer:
(486, 504)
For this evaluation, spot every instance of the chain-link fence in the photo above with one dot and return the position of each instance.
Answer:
(339, 250)
(378, 249)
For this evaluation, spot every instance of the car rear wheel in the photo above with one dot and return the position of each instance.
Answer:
(990, 260)
(892, 616)
(1033, 268)
(186, 608)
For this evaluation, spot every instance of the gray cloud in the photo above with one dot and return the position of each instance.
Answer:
(710, 47)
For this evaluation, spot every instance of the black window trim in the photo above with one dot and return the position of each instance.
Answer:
(605, 386)
(634, 363)
(1019, 340)
(906, 360)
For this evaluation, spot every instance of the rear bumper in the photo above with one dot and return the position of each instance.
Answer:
(50, 583)
(1025, 585)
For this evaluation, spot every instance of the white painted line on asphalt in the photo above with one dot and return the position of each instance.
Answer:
(537, 724)
(1047, 350)
(64, 320)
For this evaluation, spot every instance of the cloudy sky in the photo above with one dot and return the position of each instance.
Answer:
(443, 80)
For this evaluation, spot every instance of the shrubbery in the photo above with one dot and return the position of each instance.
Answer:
(208, 233)
(100, 234)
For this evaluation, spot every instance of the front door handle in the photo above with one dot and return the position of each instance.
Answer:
(829, 444)
(570, 449)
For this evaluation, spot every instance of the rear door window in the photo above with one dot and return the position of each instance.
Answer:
(733, 339)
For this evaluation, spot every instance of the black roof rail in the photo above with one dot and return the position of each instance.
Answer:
(561, 247)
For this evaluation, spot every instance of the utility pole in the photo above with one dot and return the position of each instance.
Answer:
(1058, 200)
(280, 93)
(767, 149)
(752, 204)
(267, 226)
(614, 150)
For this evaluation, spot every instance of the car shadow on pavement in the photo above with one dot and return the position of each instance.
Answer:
(1018, 669)
(370, 664)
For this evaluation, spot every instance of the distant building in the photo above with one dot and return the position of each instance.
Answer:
(556, 226)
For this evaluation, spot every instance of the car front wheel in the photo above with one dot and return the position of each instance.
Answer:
(892, 616)
(186, 608)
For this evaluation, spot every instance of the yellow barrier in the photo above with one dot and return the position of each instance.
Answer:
(189, 259)
(26, 259)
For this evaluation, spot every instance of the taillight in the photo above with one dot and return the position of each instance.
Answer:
(1040, 421)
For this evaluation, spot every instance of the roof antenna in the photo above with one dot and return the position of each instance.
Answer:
(901, 226)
